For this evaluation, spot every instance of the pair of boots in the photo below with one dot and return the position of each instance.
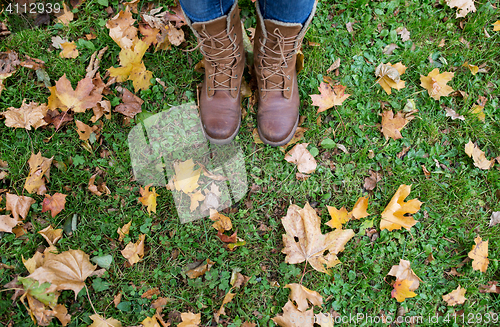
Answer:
(275, 51)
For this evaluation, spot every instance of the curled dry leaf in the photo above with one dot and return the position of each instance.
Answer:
(84, 130)
(19, 206)
(304, 224)
(27, 116)
(463, 6)
(478, 156)
(190, 319)
(200, 270)
(491, 287)
(292, 317)
(372, 180)
(455, 297)
(51, 235)
(392, 125)
(228, 298)
(97, 189)
(479, 255)
(389, 76)
(7, 223)
(122, 29)
(55, 203)
(329, 96)
(302, 295)
(99, 321)
(435, 83)
(148, 198)
(39, 167)
(335, 65)
(134, 252)
(124, 231)
(402, 290)
(65, 16)
(404, 271)
(100, 109)
(186, 177)
(69, 50)
(131, 105)
(395, 214)
(300, 156)
(221, 223)
(451, 113)
(495, 218)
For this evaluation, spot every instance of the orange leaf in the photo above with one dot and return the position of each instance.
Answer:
(63, 96)
(392, 125)
(435, 83)
(339, 217)
(395, 213)
(55, 203)
(200, 270)
(359, 209)
(479, 255)
(148, 198)
(329, 96)
(401, 290)
(124, 231)
(478, 156)
(69, 50)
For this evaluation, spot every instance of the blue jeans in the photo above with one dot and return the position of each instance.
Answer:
(287, 11)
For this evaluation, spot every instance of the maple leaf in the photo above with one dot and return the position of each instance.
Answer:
(302, 295)
(455, 297)
(99, 321)
(190, 319)
(51, 235)
(27, 116)
(122, 29)
(7, 223)
(329, 96)
(401, 290)
(148, 198)
(55, 203)
(389, 76)
(221, 223)
(134, 252)
(292, 317)
(496, 26)
(102, 108)
(63, 96)
(69, 50)
(177, 16)
(65, 271)
(124, 231)
(131, 105)
(300, 156)
(479, 255)
(186, 177)
(463, 6)
(304, 224)
(404, 271)
(195, 200)
(84, 130)
(38, 259)
(392, 125)
(435, 83)
(65, 16)
(360, 207)
(339, 217)
(394, 215)
(150, 322)
(404, 33)
(39, 167)
(150, 33)
(19, 206)
(200, 269)
(478, 156)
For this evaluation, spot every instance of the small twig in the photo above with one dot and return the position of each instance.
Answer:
(303, 273)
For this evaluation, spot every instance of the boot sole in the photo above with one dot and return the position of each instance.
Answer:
(280, 143)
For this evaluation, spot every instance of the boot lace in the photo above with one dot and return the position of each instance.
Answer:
(274, 60)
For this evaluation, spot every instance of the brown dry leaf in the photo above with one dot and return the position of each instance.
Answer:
(451, 113)
(65, 271)
(329, 96)
(491, 287)
(160, 302)
(84, 130)
(38, 311)
(404, 33)
(300, 156)
(389, 76)
(65, 16)
(39, 167)
(335, 65)
(292, 317)
(427, 173)
(395, 213)
(455, 297)
(248, 324)
(200, 270)
(117, 299)
(38, 259)
(177, 17)
(392, 125)
(441, 43)
(175, 35)
(101, 108)
(478, 156)
(7, 223)
(402, 290)
(473, 69)
(19, 206)
(302, 295)
(324, 320)
(149, 293)
(463, 6)
(190, 319)
(97, 189)
(27, 116)
(55, 203)
(148, 198)
(495, 215)
(51, 235)
(63, 96)
(61, 313)
(304, 224)
(479, 255)
(435, 83)
(299, 134)
(57, 119)
(131, 105)
(150, 33)
(133, 5)
(404, 271)
(122, 29)
(186, 177)
(69, 50)
(228, 298)
(124, 231)
(371, 181)
(99, 321)
(221, 223)
(134, 252)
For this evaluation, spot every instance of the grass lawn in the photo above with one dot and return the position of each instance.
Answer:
(458, 198)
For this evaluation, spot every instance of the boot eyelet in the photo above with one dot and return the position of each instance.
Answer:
(288, 89)
(288, 76)
(210, 89)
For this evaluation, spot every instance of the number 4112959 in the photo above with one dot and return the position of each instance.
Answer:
(33, 8)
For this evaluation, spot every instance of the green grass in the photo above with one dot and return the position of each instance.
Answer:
(458, 200)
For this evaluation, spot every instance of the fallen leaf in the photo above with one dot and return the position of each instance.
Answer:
(51, 235)
(63, 96)
(7, 223)
(496, 26)
(61, 313)
(455, 297)
(27, 116)
(99, 321)
(372, 180)
(451, 113)
(65, 271)
(404, 271)
(292, 317)
(389, 49)
(221, 223)
(211, 175)
(389, 76)
(150, 322)
(177, 17)
(19, 206)
(134, 252)
(478, 111)
(478, 156)
(479, 255)
(186, 177)
(84, 130)
(463, 6)
(65, 16)
(190, 319)
(359, 209)
(339, 217)
(304, 224)
(435, 83)
(124, 231)
(401, 290)
(335, 65)
(148, 198)
(55, 203)
(300, 156)
(38, 259)
(227, 298)
(131, 105)
(473, 69)
(395, 213)
(39, 167)
(97, 189)
(200, 270)
(69, 50)
(150, 33)
(404, 33)
(302, 295)
(100, 109)
(495, 218)
(392, 125)
(441, 43)
(122, 29)
(117, 299)
(329, 96)
(491, 287)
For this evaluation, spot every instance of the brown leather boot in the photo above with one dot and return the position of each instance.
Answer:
(275, 52)
(221, 43)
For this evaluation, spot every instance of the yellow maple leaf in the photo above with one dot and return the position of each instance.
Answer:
(134, 252)
(404, 271)
(395, 213)
(478, 156)
(148, 198)
(479, 255)
(63, 96)
(455, 297)
(401, 290)
(69, 50)
(302, 295)
(122, 29)
(435, 83)
(195, 199)
(186, 177)
(389, 76)
(339, 217)
(329, 96)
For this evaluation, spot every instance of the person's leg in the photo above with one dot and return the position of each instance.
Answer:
(220, 39)
(281, 26)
